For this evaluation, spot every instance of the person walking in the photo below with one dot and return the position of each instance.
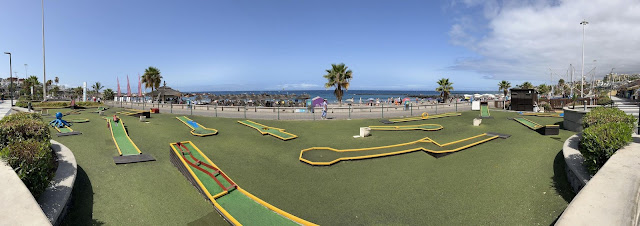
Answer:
(324, 109)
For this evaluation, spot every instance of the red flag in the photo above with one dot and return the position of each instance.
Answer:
(128, 87)
(118, 86)
(139, 86)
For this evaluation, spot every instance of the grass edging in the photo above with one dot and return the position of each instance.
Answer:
(55, 199)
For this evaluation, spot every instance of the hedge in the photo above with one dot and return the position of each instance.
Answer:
(25, 146)
(605, 131)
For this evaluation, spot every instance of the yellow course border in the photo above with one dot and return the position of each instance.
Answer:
(545, 114)
(408, 127)
(423, 140)
(535, 123)
(293, 136)
(125, 132)
(422, 117)
(213, 198)
(193, 129)
(58, 129)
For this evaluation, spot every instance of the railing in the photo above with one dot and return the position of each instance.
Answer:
(301, 113)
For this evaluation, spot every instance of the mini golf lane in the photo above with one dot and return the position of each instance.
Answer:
(128, 151)
(196, 128)
(235, 204)
(424, 116)
(484, 110)
(532, 125)
(425, 127)
(276, 132)
(325, 156)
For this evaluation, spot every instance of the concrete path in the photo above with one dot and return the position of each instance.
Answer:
(17, 205)
(628, 106)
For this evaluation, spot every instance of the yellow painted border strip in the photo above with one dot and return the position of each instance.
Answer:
(113, 137)
(408, 127)
(125, 133)
(293, 136)
(426, 140)
(449, 114)
(207, 193)
(535, 123)
(193, 129)
(213, 198)
(58, 129)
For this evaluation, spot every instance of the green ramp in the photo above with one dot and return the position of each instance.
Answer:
(276, 132)
(127, 150)
(66, 131)
(233, 203)
(196, 128)
(484, 110)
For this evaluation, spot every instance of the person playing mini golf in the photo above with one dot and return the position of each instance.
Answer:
(324, 109)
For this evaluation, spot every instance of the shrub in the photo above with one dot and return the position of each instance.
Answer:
(546, 107)
(605, 131)
(600, 142)
(601, 115)
(25, 145)
(32, 161)
(604, 100)
(88, 104)
(54, 104)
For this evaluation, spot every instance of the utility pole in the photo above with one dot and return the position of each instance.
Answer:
(25, 71)
(11, 78)
(583, 23)
(44, 67)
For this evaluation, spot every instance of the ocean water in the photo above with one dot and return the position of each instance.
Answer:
(355, 94)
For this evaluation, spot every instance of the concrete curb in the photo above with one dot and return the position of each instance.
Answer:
(611, 196)
(54, 201)
(577, 174)
(17, 205)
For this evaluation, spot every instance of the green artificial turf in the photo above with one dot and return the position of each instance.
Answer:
(426, 127)
(515, 181)
(199, 130)
(277, 132)
(528, 123)
(484, 111)
(121, 138)
(248, 212)
(65, 129)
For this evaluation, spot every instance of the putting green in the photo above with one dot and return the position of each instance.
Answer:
(234, 203)
(123, 142)
(531, 124)
(484, 110)
(196, 128)
(323, 156)
(425, 117)
(555, 115)
(78, 120)
(276, 132)
(425, 127)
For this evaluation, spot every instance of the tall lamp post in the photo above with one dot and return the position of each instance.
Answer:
(10, 78)
(25, 71)
(44, 68)
(583, 23)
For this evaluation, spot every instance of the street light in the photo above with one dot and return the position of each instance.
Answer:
(10, 78)
(25, 71)
(583, 23)
(44, 68)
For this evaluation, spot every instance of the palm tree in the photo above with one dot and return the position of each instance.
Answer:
(526, 85)
(338, 76)
(97, 87)
(504, 86)
(544, 89)
(78, 91)
(56, 80)
(445, 87)
(151, 79)
(109, 94)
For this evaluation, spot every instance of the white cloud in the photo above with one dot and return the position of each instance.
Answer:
(521, 41)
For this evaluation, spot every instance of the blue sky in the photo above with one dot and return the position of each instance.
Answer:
(271, 45)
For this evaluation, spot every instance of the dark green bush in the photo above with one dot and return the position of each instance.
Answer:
(54, 104)
(22, 126)
(601, 115)
(605, 131)
(25, 145)
(604, 100)
(32, 160)
(600, 142)
(88, 104)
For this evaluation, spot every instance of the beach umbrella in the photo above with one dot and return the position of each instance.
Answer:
(371, 99)
(406, 99)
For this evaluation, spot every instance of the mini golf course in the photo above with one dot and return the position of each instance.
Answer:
(66, 131)
(542, 114)
(324, 156)
(425, 127)
(233, 203)
(484, 110)
(275, 132)
(424, 116)
(196, 128)
(127, 150)
(544, 130)
(135, 113)
(78, 120)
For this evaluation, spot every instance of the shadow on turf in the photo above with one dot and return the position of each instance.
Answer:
(212, 218)
(560, 182)
(81, 206)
